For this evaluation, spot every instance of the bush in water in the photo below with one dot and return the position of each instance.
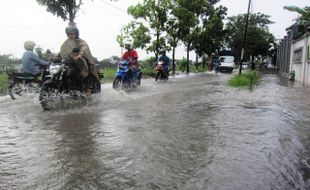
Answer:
(248, 79)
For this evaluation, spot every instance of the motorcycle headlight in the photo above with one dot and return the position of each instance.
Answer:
(160, 62)
(55, 69)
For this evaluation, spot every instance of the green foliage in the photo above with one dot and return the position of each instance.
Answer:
(211, 37)
(3, 83)
(65, 9)
(109, 74)
(182, 64)
(135, 33)
(149, 62)
(260, 42)
(304, 13)
(7, 62)
(259, 39)
(148, 71)
(153, 14)
(248, 79)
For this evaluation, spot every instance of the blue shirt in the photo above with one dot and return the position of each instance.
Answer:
(31, 62)
(165, 59)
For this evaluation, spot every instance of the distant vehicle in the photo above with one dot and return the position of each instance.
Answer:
(123, 79)
(227, 62)
(245, 65)
(162, 74)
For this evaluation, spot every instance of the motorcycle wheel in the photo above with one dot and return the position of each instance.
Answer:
(95, 85)
(157, 76)
(139, 81)
(166, 76)
(14, 89)
(117, 83)
(47, 95)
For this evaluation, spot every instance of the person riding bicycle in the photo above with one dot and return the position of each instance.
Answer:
(132, 56)
(166, 60)
(30, 61)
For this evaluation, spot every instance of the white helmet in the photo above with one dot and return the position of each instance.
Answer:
(128, 44)
(29, 45)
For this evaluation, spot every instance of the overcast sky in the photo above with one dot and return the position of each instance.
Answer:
(100, 21)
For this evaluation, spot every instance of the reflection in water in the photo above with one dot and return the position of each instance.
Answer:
(192, 132)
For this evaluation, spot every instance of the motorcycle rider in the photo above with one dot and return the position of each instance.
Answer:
(166, 60)
(216, 63)
(30, 61)
(132, 56)
(84, 59)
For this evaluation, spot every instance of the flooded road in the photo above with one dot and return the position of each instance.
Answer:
(193, 132)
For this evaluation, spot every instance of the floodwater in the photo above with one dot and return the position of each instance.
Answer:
(192, 132)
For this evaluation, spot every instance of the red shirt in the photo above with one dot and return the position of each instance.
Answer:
(132, 56)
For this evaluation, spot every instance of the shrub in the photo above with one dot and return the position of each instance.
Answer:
(248, 79)
(3, 83)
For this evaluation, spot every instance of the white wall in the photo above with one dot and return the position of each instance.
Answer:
(297, 66)
(299, 61)
(307, 63)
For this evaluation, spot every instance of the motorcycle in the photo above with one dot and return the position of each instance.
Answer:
(123, 79)
(65, 80)
(161, 72)
(20, 83)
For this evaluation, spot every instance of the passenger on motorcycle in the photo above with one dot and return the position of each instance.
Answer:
(84, 59)
(132, 56)
(30, 61)
(165, 59)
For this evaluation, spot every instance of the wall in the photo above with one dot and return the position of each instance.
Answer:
(300, 60)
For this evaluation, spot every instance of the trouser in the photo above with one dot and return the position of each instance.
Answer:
(132, 70)
(83, 67)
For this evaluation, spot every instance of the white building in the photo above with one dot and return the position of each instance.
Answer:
(300, 59)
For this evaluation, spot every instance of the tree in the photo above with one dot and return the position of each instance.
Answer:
(191, 16)
(135, 33)
(187, 21)
(259, 39)
(173, 37)
(65, 9)
(212, 33)
(304, 13)
(8, 62)
(259, 42)
(153, 14)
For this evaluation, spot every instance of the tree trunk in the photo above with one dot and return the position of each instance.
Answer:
(187, 58)
(197, 62)
(203, 62)
(252, 63)
(173, 61)
(157, 45)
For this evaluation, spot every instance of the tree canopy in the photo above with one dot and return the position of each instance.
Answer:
(304, 13)
(65, 9)
(259, 39)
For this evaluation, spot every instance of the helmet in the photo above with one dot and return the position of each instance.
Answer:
(128, 46)
(71, 28)
(29, 45)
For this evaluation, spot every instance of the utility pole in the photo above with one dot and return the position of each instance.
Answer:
(244, 37)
